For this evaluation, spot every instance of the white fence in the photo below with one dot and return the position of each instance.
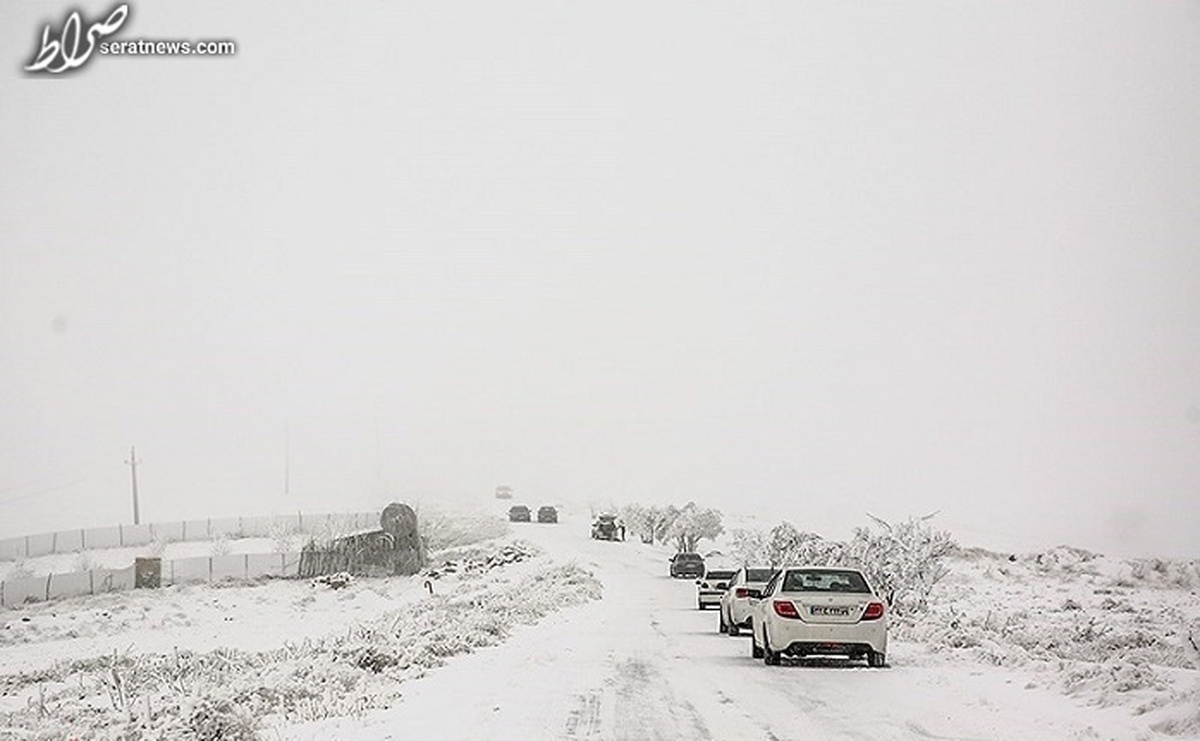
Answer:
(21, 591)
(175, 571)
(124, 536)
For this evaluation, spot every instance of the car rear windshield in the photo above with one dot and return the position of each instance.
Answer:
(689, 557)
(814, 580)
(759, 574)
(719, 575)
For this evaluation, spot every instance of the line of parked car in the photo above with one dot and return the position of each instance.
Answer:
(799, 611)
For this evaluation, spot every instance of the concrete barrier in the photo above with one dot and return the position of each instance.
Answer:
(75, 584)
(69, 541)
(41, 544)
(230, 566)
(132, 535)
(14, 592)
(187, 570)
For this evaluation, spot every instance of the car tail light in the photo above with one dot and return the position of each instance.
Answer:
(741, 592)
(874, 611)
(785, 609)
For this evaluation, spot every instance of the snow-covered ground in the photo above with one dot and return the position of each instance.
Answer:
(539, 632)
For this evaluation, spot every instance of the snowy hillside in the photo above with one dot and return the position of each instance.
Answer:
(1059, 645)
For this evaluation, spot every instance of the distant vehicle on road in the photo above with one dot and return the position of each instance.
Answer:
(547, 514)
(818, 611)
(606, 527)
(711, 587)
(519, 513)
(684, 565)
(503, 492)
(735, 603)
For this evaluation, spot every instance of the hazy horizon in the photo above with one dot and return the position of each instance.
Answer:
(802, 260)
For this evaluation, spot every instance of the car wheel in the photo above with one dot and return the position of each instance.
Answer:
(876, 659)
(755, 649)
(699, 605)
(722, 626)
(770, 658)
(733, 629)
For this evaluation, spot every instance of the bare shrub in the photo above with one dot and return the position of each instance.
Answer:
(284, 537)
(221, 545)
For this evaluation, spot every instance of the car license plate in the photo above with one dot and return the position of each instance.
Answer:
(829, 610)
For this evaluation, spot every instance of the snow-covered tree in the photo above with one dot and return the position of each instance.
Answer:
(639, 520)
(904, 561)
(694, 524)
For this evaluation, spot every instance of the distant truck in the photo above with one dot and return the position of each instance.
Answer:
(606, 527)
(504, 492)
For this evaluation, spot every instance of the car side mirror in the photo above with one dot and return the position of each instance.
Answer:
(697, 582)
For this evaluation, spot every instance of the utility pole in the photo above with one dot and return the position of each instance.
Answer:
(132, 463)
(287, 458)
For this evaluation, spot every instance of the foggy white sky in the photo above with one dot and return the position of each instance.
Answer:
(808, 259)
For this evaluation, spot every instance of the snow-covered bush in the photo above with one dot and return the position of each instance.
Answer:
(904, 561)
(683, 527)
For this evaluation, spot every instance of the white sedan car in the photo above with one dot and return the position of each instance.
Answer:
(711, 587)
(818, 611)
(735, 603)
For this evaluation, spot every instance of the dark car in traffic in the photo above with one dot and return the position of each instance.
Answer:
(547, 514)
(685, 565)
(519, 513)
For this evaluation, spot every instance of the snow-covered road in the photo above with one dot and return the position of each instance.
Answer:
(644, 664)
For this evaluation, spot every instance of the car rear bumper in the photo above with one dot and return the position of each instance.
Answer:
(709, 598)
(799, 638)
